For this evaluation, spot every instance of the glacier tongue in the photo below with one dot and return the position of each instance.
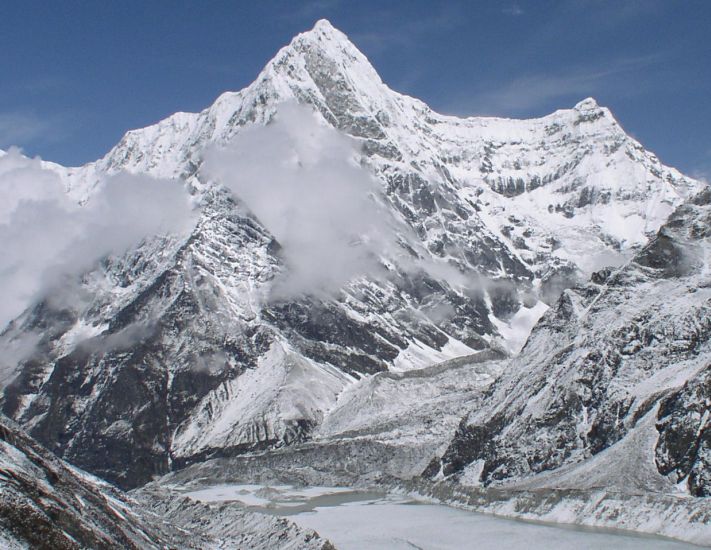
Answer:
(495, 218)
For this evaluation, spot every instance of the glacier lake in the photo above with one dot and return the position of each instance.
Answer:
(357, 520)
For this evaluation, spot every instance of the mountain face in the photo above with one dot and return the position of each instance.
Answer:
(602, 419)
(179, 350)
(612, 387)
(47, 504)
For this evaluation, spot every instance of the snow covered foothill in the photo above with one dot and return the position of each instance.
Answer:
(284, 394)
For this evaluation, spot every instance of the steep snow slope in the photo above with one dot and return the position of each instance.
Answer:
(177, 351)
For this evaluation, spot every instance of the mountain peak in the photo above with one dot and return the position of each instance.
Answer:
(323, 67)
(587, 104)
(324, 25)
(324, 41)
(323, 31)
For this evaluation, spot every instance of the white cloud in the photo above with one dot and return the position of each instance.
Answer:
(514, 10)
(302, 181)
(22, 128)
(702, 171)
(46, 238)
(529, 92)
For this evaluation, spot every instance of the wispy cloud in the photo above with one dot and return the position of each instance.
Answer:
(311, 10)
(393, 31)
(610, 13)
(702, 174)
(703, 170)
(40, 84)
(24, 128)
(22, 89)
(514, 10)
(17, 128)
(530, 92)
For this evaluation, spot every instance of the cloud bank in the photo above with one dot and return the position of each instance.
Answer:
(302, 181)
(46, 238)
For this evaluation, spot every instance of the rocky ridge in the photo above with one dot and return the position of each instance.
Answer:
(46, 503)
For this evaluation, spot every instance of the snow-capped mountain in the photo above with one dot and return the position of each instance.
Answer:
(179, 350)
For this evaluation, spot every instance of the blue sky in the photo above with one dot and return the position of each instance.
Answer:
(77, 75)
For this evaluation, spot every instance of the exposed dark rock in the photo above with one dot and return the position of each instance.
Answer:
(683, 450)
(48, 505)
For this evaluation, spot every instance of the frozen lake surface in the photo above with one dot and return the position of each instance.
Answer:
(354, 520)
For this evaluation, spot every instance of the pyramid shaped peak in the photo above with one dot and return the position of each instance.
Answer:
(324, 25)
(323, 30)
(311, 48)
